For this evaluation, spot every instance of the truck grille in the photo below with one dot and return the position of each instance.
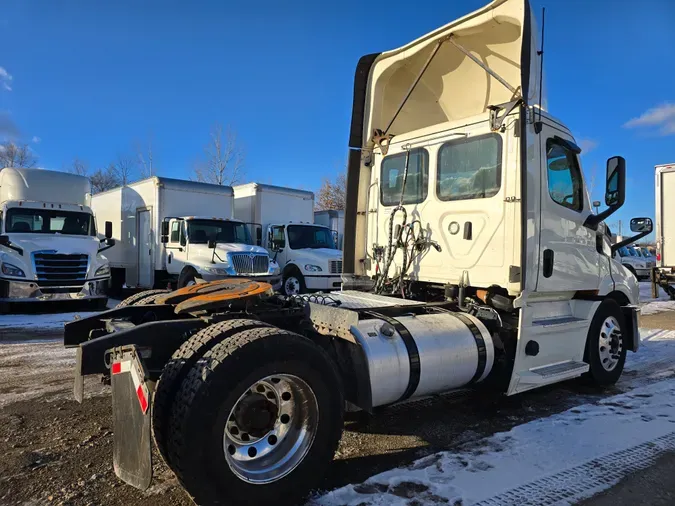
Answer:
(336, 266)
(250, 263)
(52, 269)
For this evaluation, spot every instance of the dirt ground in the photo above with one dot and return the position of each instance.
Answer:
(56, 451)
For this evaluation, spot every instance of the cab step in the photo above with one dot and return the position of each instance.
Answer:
(552, 373)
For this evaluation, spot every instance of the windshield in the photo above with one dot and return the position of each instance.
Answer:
(308, 236)
(632, 252)
(203, 231)
(48, 221)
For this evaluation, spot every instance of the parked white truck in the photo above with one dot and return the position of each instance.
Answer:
(639, 265)
(49, 247)
(473, 257)
(333, 219)
(307, 254)
(175, 232)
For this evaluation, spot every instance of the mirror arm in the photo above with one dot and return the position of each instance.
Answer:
(626, 242)
(594, 220)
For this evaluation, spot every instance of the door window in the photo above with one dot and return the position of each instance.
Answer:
(470, 168)
(392, 172)
(277, 238)
(175, 231)
(564, 176)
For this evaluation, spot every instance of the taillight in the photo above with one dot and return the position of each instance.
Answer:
(658, 257)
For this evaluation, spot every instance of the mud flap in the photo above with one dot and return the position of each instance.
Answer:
(131, 398)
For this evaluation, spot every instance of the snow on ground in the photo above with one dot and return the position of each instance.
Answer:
(537, 450)
(45, 321)
(649, 305)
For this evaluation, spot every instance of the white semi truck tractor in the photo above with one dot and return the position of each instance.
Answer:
(472, 256)
(50, 248)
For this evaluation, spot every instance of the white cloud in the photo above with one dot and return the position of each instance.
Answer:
(36, 139)
(5, 79)
(662, 118)
(587, 145)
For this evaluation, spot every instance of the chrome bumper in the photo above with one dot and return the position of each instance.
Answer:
(29, 291)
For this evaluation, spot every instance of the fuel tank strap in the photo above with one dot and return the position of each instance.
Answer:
(480, 344)
(413, 353)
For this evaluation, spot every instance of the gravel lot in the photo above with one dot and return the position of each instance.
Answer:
(56, 451)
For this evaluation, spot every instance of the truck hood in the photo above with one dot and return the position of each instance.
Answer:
(63, 244)
(203, 253)
(318, 255)
(501, 35)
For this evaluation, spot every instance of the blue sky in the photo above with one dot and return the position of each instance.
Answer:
(91, 79)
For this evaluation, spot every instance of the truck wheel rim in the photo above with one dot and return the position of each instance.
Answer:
(610, 343)
(292, 286)
(271, 428)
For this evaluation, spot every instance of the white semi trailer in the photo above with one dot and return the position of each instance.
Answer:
(473, 257)
(171, 232)
(50, 249)
(306, 252)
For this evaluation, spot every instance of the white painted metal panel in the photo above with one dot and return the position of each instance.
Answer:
(146, 245)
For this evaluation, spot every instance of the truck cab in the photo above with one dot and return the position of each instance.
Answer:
(207, 248)
(49, 246)
(308, 256)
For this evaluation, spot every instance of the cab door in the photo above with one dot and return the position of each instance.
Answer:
(568, 256)
(176, 248)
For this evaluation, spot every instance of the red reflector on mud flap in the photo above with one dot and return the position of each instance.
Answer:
(142, 399)
(116, 368)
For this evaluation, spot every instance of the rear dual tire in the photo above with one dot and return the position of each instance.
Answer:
(281, 384)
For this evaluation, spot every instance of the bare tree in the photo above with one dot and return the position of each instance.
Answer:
(223, 161)
(104, 179)
(124, 168)
(332, 194)
(15, 155)
(145, 159)
(79, 167)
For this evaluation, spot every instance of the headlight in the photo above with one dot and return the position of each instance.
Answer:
(313, 268)
(12, 270)
(641, 266)
(103, 271)
(218, 271)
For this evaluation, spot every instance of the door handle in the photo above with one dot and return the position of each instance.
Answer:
(468, 231)
(548, 263)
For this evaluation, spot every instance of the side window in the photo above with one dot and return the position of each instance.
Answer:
(183, 235)
(175, 231)
(470, 168)
(391, 178)
(564, 176)
(277, 238)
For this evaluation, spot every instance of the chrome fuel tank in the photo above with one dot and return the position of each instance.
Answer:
(417, 355)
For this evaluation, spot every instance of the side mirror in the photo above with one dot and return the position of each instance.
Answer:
(615, 191)
(165, 228)
(641, 225)
(108, 229)
(258, 236)
(211, 244)
(109, 242)
(164, 239)
(4, 240)
(615, 186)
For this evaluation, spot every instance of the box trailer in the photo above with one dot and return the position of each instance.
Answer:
(50, 247)
(171, 231)
(664, 272)
(306, 252)
(333, 219)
